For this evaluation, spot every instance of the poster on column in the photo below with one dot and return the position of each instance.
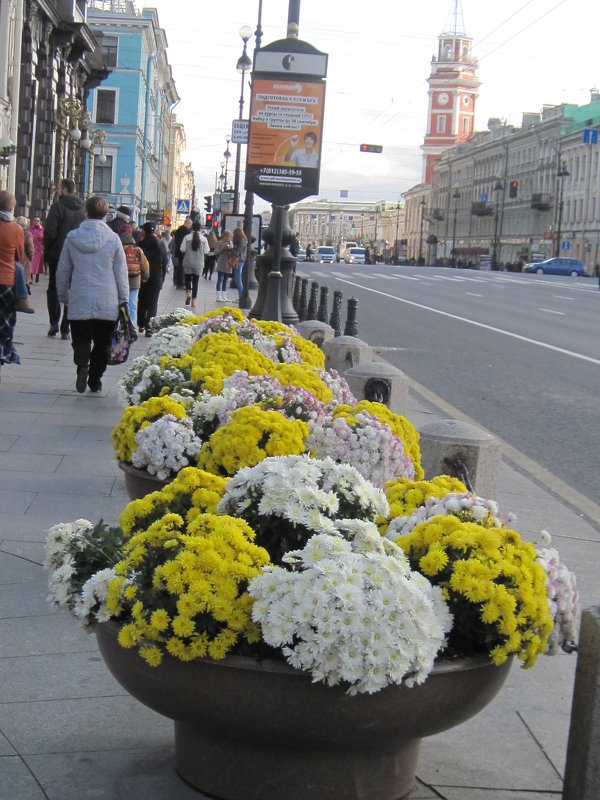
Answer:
(285, 138)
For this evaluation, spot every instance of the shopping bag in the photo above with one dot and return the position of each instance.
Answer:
(118, 351)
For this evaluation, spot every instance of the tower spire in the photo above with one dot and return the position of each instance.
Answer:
(455, 24)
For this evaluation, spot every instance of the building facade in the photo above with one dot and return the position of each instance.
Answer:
(131, 112)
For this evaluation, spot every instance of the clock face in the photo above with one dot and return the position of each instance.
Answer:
(466, 100)
(443, 98)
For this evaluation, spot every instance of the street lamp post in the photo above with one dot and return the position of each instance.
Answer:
(227, 156)
(244, 63)
(562, 173)
(497, 189)
(422, 204)
(456, 198)
(397, 226)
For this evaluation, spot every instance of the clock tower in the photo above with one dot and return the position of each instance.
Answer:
(453, 89)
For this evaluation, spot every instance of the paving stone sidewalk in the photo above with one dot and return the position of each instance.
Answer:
(68, 731)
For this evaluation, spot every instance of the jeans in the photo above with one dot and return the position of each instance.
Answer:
(133, 304)
(191, 284)
(21, 292)
(222, 278)
(84, 333)
(238, 276)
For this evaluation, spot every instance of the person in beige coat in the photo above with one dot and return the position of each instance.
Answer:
(225, 255)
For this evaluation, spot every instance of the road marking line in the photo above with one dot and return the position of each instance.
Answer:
(563, 297)
(550, 311)
(492, 328)
(473, 294)
(582, 504)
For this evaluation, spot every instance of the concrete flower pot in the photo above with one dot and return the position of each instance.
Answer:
(139, 482)
(249, 730)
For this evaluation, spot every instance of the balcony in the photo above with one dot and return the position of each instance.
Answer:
(541, 202)
(481, 209)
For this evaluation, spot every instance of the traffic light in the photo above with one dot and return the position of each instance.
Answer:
(207, 203)
(216, 223)
(371, 148)
(513, 188)
(209, 219)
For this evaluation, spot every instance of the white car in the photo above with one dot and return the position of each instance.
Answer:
(325, 254)
(355, 255)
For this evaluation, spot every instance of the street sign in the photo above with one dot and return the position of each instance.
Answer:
(565, 245)
(239, 131)
(286, 121)
(183, 207)
(483, 197)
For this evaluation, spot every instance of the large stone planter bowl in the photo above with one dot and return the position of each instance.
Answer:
(139, 482)
(248, 730)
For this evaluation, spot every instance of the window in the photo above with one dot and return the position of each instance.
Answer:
(441, 124)
(110, 45)
(105, 106)
(103, 176)
(465, 124)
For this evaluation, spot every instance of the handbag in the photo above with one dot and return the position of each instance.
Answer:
(118, 350)
(232, 260)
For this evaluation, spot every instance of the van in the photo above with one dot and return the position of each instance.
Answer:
(325, 254)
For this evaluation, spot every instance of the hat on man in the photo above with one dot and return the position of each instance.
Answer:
(123, 212)
(148, 227)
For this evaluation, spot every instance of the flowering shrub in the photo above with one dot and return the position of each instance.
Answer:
(563, 597)
(405, 495)
(171, 318)
(174, 340)
(492, 582)
(193, 491)
(251, 435)
(136, 417)
(182, 587)
(77, 553)
(336, 609)
(362, 440)
(338, 385)
(399, 425)
(166, 446)
(288, 499)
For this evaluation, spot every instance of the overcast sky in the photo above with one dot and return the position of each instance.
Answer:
(530, 53)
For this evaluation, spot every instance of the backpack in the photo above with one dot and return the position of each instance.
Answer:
(133, 256)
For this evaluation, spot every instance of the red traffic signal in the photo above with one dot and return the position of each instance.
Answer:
(513, 188)
(371, 148)
(209, 219)
(216, 224)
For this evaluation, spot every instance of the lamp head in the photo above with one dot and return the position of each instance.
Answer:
(245, 32)
(75, 134)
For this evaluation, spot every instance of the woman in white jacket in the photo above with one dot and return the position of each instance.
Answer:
(194, 247)
(92, 278)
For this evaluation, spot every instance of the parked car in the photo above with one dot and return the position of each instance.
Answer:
(355, 255)
(325, 254)
(301, 255)
(556, 266)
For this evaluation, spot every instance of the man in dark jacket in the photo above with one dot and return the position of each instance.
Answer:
(65, 214)
(149, 291)
(178, 237)
(122, 217)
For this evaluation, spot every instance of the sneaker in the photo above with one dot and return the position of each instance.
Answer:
(148, 333)
(53, 330)
(22, 304)
(64, 335)
(188, 297)
(82, 375)
(95, 387)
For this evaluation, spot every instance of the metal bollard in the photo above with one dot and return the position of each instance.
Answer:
(336, 313)
(322, 312)
(311, 312)
(303, 300)
(296, 295)
(351, 328)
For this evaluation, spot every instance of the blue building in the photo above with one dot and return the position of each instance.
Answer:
(131, 111)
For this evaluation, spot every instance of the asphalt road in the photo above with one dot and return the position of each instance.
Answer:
(518, 354)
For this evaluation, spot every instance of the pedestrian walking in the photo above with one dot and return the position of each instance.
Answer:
(29, 249)
(37, 262)
(121, 218)
(91, 278)
(194, 248)
(166, 238)
(138, 269)
(65, 214)
(240, 246)
(210, 259)
(225, 260)
(180, 234)
(150, 290)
